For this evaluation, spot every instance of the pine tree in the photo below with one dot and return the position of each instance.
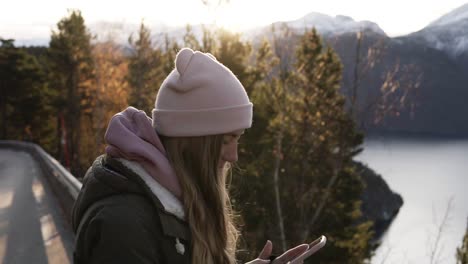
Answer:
(208, 40)
(230, 50)
(190, 39)
(253, 190)
(298, 156)
(9, 58)
(145, 72)
(325, 192)
(72, 76)
(168, 57)
(111, 68)
(23, 91)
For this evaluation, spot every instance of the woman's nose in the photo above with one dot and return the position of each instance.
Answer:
(231, 154)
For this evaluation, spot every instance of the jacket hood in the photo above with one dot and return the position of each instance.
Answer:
(130, 135)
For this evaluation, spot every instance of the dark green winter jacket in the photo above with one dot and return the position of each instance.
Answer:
(130, 222)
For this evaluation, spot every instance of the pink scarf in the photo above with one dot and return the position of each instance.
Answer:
(130, 135)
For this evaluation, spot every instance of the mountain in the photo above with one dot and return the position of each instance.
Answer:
(448, 33)
(439, 53)
(457, 15)
(433, 84)
(120, 32)
(326, 24)
(429, 66)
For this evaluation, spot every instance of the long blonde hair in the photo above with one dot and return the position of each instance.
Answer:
(205, 197)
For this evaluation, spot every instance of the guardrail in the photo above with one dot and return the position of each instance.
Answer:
(65, 186)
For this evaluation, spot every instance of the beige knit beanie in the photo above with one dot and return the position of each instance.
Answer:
(200, 97)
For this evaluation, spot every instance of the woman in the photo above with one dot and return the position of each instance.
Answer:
(159, 195)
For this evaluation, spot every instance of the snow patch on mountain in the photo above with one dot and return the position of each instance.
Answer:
(449, 33)
(326, 24)
(455, 16)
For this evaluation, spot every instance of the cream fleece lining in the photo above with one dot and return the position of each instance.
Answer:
(169, 201)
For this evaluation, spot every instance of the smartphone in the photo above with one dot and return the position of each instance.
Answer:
(313, 247)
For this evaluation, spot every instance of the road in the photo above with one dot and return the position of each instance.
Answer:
(32, 226)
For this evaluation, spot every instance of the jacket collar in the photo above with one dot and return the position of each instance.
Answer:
(169, 201)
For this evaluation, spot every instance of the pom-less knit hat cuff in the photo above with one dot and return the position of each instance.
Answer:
(202, 122)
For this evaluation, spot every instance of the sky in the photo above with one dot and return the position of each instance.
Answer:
(30, 19)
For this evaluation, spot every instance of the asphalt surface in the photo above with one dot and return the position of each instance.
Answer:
(32, 226)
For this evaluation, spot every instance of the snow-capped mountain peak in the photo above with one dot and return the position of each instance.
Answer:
(449, 33)
(455, 16)
(326, 24)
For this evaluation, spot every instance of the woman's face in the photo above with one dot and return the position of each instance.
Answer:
(229, 148)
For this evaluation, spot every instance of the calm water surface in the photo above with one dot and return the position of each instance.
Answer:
(428, 173)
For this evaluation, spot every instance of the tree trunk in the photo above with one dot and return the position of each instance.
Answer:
(354, 110)
(3, 102)
(323, 201)
(77, 152)
(59, 152)
(276, 187)
(72, 117)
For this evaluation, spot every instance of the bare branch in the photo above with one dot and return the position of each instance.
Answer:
(435, 248)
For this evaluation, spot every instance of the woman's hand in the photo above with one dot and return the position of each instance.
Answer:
(283, 259)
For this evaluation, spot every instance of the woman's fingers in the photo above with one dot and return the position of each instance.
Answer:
(284, 258)
(266, 251)
(291, 254)
(258, 261)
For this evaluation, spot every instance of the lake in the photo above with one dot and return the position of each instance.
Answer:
(431, 174)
